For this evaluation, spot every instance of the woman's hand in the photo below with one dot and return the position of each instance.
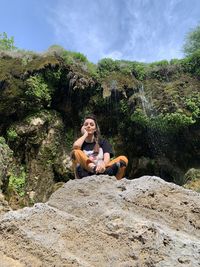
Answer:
(83, 130)
(101, 167)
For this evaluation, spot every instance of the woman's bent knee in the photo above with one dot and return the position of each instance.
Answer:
(74, 153)
(124, 158)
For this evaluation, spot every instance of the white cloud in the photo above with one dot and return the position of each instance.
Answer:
(150, 30)
(114, 55)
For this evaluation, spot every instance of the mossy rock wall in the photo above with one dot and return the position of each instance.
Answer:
(152, 118)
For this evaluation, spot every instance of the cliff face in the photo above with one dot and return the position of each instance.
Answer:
(150, 114)
(98, 221)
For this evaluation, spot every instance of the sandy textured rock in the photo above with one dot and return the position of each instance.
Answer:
(98, 221)
(4, 207)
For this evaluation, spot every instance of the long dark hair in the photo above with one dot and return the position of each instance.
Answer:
(96, 133)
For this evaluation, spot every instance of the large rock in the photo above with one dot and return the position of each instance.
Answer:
(40, 145)
(4, 207)
(98, 221)
(5, 162)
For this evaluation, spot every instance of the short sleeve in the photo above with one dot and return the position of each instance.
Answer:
(106, 146)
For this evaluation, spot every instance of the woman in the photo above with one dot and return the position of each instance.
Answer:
(92, 155)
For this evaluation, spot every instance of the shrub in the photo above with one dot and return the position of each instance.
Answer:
(107, 65)
(191, 63)
(193, 105)
(169, 122)
(38, 90)
(12, 134)
(140, 70)
(17, 183)
(91, 68)
(140, 118)
(160, 63)
(55, 49)
(79, 56)
(192, 41)
(2, 140)
(71, 57)
(6, 43)
(175, 61)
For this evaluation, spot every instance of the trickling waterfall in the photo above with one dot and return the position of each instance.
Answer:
(154, 139)
(146, 103)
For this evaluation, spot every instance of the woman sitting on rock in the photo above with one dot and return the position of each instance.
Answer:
(92, 155)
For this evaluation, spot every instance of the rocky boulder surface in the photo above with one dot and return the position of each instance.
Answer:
(98, 221)
(5, 162)
(4, 207)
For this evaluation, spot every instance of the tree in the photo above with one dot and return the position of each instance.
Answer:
(6, 43)
(192, 42)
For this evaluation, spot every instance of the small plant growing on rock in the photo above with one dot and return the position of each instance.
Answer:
(38, 90)
(12, 134)
(17, 182)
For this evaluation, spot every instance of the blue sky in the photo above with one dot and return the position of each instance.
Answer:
(141, 30)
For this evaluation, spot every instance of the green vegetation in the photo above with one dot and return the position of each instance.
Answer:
(74, 58)
(38, 89)
(192, 42)
(161, 63)
(191, 63)
(17, 182)
(92, 69)
(107, 65)
(192, 179)
(69, 139)
(192, 175)
(6, 43)
(26, 56)
(12, 134)
(2, 140)
(193, 105)
(52, 79)
(124, 107)
(70, 57)
(191, 49)
(160, 70)
(169, 122)
(55, 49)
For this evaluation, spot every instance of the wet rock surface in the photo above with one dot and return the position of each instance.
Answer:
(98, 221)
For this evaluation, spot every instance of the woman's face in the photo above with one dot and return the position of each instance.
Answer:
(90, 126)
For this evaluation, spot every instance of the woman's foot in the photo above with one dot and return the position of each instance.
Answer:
(81, 173)
(113, 169)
